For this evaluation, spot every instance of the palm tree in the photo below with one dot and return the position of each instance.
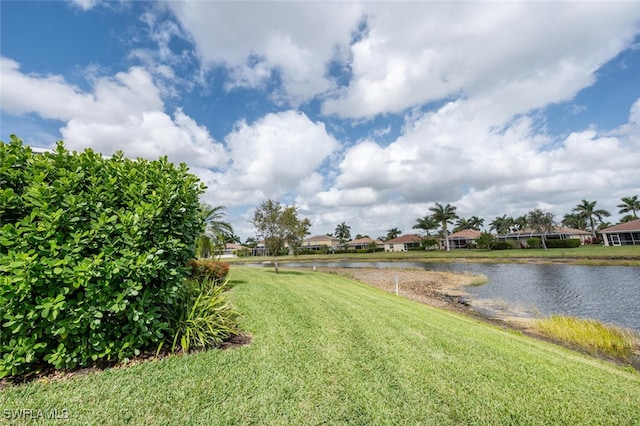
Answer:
(393, 233)
(343, 232)
(444, 215)
(627, 218)
(630, 204)
(462, 224)
(476, 223)
(542, 222)
(501, 224)
(574, 220)
(216, 230)
(232, 238)
(604, 225)
(519, 223)
(587, 210)
(426, 223)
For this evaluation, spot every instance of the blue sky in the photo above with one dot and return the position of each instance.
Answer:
(362, 112)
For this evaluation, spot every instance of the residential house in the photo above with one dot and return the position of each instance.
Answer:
(560, 233)
(319, 242)
(402, 243)
(623, 234)
(230, 250)
(260, 249)
(363, 243)
(461, 239)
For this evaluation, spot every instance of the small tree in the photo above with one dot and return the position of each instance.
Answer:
(542, 222)
(485, 240)
(297, 229)
(279, 225)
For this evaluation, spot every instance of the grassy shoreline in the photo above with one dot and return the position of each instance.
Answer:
(327, 349)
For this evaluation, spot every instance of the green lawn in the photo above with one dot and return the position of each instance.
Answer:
(625, 255)
(328, 350)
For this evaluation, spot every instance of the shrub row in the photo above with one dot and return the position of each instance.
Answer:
(501, 245)
(91, 249)
(568, 243)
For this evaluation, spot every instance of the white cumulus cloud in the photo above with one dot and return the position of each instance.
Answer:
(123, 112)
(278, 151)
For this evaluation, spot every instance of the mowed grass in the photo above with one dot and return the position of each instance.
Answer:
(329, 350)
(585, 255)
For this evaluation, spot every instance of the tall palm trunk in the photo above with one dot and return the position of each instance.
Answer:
(446, 236)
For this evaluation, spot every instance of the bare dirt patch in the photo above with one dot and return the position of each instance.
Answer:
(440, 289)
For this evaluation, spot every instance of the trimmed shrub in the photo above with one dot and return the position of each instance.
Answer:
(90, 250)
(534, 242)
(245, 252)
(501, 245)
(567, 243)
(208, 269)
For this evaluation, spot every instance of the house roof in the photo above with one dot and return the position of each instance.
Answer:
(320, 237)
(234, 246)
(469, 234)
(633, 225)
(560, 230)
(320, 240)
(408, 238)
(364, 240)
(573, 231)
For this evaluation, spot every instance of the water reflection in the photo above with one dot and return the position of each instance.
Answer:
(610, 294)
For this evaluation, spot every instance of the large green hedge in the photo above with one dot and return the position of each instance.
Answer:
(90, 250)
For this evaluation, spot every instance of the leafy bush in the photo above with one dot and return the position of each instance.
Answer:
(534, 242)
(567, 243)
(90, 249)
(244, 252)
(501, 245)
(200, 316)
(430, 242)
(485, 240)
(208, 269)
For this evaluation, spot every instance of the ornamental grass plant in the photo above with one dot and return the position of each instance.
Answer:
(200, 316)
(591, 335)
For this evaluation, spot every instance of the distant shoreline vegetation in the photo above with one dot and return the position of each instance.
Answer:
(585, 255)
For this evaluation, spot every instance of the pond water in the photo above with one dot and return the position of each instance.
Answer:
(610, 294)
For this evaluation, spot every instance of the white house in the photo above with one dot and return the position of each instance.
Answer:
(402, 243)
(623, 234)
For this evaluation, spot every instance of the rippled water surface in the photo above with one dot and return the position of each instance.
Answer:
(610, 294)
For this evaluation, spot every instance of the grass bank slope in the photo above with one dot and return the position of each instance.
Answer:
(329, 350)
